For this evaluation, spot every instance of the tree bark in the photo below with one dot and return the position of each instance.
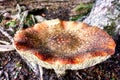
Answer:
(105, 13)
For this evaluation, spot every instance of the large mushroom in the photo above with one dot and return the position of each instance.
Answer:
(61, 45)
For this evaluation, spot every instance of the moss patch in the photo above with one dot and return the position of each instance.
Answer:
(110, 28)
(81, 10)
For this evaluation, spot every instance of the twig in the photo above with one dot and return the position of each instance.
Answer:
(6, 75)
(4, 42)
(25, 13)
(1, 72)
(6, 34)
(79, 76)
(6, 48)
(33, 18)
(19, 8)
(41, 73)
(38, 71)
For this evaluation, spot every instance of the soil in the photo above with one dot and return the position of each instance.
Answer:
(13, 67)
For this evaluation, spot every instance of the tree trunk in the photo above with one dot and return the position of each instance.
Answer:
(106, 15)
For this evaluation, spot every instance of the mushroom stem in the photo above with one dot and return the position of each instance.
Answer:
(59, 73)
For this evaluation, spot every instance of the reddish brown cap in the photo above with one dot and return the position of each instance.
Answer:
(66, 42)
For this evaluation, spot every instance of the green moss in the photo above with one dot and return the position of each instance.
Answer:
(76, 17)
(81, 10)
(110, 28)
(83, 6)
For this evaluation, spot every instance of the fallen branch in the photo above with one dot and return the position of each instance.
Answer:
(6, 48)
(6, 34)
(4, 42)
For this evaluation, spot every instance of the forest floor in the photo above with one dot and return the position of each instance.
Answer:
(13, 67)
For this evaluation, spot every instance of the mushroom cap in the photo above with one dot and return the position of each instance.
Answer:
(64, 44)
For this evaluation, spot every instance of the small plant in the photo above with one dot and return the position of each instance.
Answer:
(30, 20)
(11, 23)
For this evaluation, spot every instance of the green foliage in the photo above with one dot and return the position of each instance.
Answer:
(11, 23)
(110, 28)
(30, 20)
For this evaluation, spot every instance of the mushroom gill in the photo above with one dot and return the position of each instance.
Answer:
(62, 45)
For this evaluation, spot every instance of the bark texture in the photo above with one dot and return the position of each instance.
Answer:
(105, 13)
